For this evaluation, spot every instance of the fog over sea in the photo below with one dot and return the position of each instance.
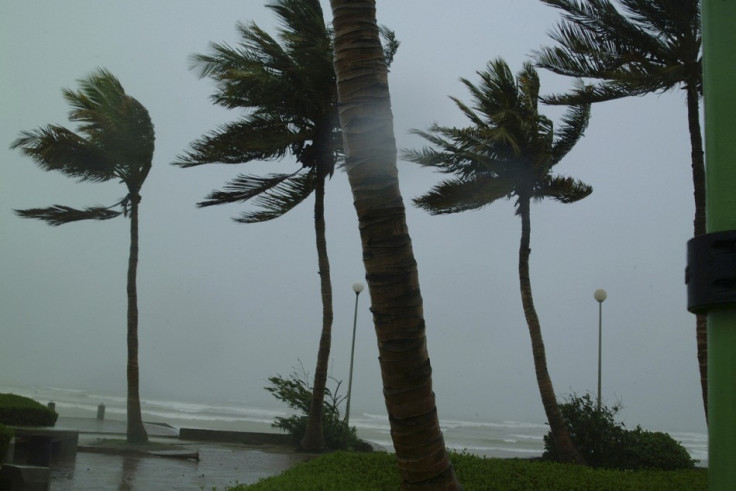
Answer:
(486, 438)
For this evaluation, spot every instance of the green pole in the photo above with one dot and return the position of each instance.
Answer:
(719, 79)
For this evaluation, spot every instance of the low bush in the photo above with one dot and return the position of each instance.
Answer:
(296, 392)
(605, 443)
(17, 410)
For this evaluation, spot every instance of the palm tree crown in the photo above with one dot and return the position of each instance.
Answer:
(289, 90)
(115, 140)
(508, 151)
(648, 46)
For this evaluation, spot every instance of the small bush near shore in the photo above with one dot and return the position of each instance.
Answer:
(346, 471)
(296, 392)
(605, 443)
(17, 410)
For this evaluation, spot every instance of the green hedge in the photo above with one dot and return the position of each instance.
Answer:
(17, 410)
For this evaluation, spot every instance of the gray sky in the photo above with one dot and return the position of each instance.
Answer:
(224, 305)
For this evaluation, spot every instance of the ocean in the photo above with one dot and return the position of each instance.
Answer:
(485, 438)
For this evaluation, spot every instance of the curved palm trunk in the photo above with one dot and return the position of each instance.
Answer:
(563, 443)
(136, 433)
(314, 436)
(698, 168)
(391, 271)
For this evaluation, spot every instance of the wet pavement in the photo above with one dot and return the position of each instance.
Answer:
(220, 464)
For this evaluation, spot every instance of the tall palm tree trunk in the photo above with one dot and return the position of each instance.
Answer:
(136, 433)
(391, 270)
(314, 436)
(699, 227)
(563, 443)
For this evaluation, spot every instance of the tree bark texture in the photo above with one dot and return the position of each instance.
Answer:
(699, 226)
(314, 436)
(136, 433)
(391, 270)
(565, 447)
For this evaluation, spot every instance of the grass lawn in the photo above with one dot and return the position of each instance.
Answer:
(374, 471)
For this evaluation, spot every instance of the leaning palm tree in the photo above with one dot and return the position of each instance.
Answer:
(114, 141)
(646, 46)
(290, 94)
(508, 151)
(388, 257)
(289, 91)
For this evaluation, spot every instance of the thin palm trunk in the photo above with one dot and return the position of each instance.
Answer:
(699, 225)
(391, 271)
(563, 443)
(136, 433)
(314, 437)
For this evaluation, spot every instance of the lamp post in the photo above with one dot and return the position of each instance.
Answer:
(357, 288)
(600, 296)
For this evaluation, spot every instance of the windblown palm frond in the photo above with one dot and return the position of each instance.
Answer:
(277, 193)
(255, 137)
(562, 189)
(463, 194)
(58, 214)
(57, 148)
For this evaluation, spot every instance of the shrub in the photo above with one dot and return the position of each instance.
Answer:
(296, 392)
(605, 443)
(17, 410)
(655, 450)
(6, 434)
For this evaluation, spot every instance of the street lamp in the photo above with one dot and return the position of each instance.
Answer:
(600, 296)
(357, 288)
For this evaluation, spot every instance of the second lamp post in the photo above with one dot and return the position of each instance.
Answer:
(357, 288)
(600, 296)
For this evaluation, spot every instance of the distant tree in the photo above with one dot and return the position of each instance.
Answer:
(643, 47)
(289, 91)
(115, 140)
(391, 270)
(508, 151)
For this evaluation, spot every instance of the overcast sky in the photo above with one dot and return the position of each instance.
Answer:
(223, 306)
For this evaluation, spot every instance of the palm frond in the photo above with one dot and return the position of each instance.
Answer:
(574, 122)
(58, 215)
(255, 137)
(458, 195)
(55, 148)
(275, 193)
(562, 189)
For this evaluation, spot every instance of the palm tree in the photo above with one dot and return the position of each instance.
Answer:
(290, 93)
(647, 46)
(114, 141)
(391, 270)
(508, 151)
